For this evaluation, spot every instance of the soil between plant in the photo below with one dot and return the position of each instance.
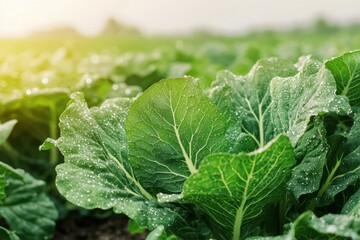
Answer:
(90, 228)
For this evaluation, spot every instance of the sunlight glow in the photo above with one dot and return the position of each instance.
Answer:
(21, 17)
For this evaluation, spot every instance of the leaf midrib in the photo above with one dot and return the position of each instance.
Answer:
(188, 160)
(132, 178)
(351, 78)
(240, 211)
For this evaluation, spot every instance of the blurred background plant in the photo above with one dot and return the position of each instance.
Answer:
(40, 68)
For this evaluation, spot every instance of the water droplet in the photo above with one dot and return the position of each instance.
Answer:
(45, 80)
(95, 59)
(128, 91)
(331, 228)
(115, 87)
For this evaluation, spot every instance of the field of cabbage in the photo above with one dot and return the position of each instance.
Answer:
(201, 137)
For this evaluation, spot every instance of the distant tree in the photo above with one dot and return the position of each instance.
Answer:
(114, 28)
(322, 25)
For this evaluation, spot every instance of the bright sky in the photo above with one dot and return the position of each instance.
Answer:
(20, 17)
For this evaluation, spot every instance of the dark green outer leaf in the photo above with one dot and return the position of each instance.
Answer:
(5, 172)
(7, 235)
(233, 189)
(268, 238)
(354, 134)
(27, 210)
(3, 184)
(345, 170)
(296, 99)
(170, 128)
(8, 171)
(311, 151)
(347, 174)
(352, 206)
(346, 71)
(331, 226)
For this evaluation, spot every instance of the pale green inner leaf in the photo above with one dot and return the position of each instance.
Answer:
(233, 189)
(170, 128)
(245, 101)
(346, 71)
